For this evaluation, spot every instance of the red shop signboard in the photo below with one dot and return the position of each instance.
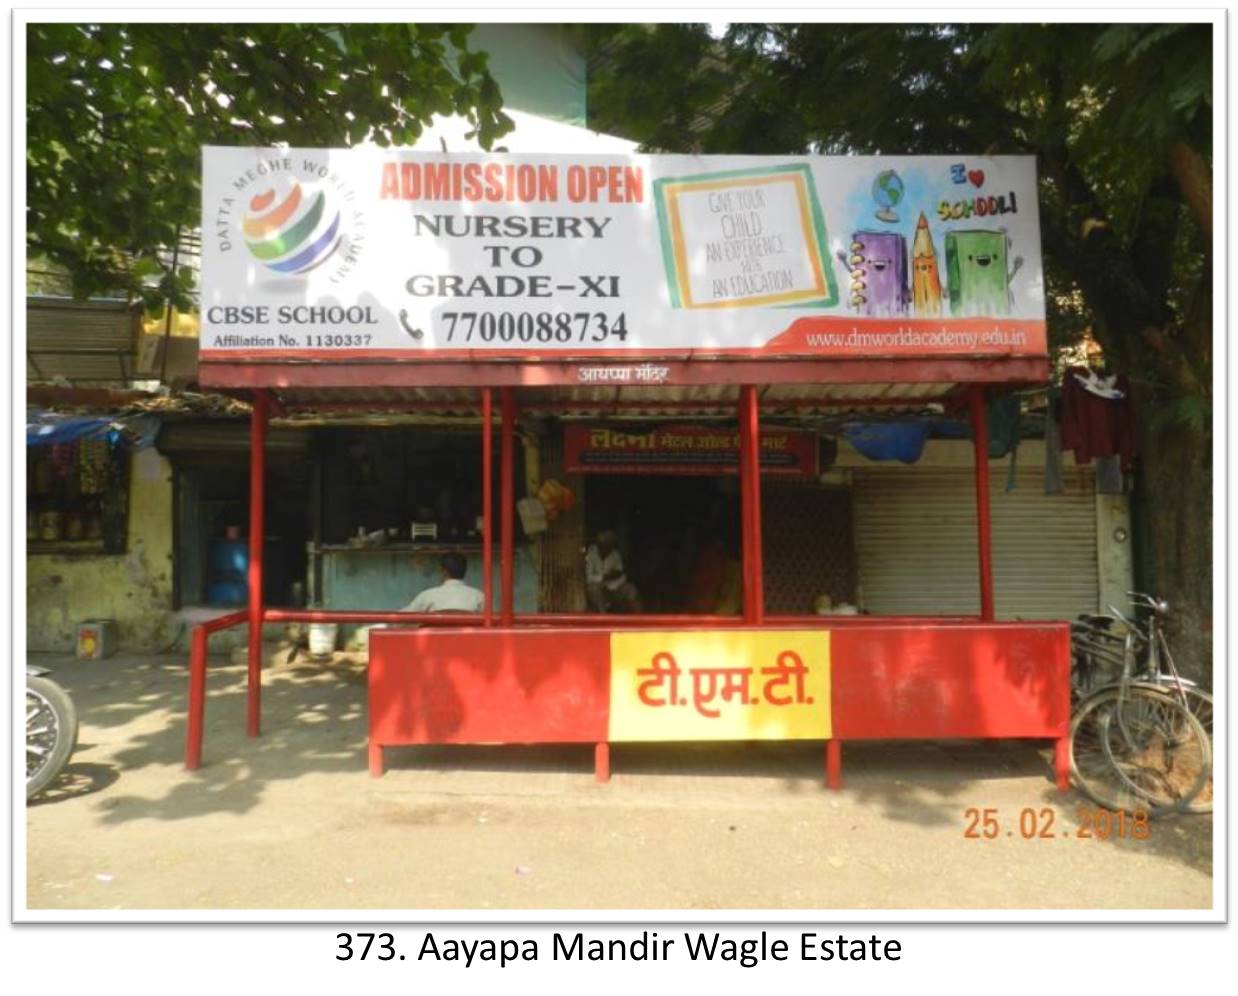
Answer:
(683, 450)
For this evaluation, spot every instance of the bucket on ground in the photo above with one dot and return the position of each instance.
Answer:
(322, 637)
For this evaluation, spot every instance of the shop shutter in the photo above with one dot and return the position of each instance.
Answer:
(916, 542)
(83, 342)
(226, 436)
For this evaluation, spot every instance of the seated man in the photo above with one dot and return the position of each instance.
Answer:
(453, 595)
(606, 586)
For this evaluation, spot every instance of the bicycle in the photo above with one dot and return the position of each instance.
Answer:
(1141, 740)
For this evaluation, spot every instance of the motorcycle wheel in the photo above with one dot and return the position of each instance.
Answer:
(51, 732)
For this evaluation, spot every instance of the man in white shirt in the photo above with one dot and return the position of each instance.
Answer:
(453, 595)
(606, 585)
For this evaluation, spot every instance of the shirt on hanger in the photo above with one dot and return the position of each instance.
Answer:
(1095, 426)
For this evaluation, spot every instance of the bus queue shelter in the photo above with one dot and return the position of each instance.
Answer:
(503, 676)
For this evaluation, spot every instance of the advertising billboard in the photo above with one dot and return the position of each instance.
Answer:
(386, 253)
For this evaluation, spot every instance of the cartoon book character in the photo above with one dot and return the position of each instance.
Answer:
(925, 280)
(878, 267)
(976, 272)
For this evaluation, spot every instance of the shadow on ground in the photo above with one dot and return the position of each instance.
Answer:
(76, 780)
(314, 721)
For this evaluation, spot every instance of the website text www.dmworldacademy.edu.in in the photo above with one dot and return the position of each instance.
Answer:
(905, 338)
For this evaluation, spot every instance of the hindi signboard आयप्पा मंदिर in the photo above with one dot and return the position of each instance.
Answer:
(389, 253)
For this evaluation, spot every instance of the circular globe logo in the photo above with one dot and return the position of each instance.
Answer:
(292, 235)
(888, 193)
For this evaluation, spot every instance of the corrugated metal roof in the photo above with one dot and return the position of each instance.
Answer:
(619, 400)
(80, 341)
(444, 399)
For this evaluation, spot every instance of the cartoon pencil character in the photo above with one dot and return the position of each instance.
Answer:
(878, 267)
(925, 280)
(976, 274)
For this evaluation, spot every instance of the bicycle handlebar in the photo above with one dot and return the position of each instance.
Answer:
(1157, 605)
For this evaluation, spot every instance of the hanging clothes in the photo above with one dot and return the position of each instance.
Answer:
(1053, 444)
(1098, 419)
(1002, 416)
(827, 453)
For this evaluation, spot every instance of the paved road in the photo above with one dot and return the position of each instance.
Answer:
(293, 820)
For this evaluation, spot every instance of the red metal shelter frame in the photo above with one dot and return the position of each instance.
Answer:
(475, 678)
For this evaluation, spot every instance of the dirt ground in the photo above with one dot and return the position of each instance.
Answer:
(294, 821)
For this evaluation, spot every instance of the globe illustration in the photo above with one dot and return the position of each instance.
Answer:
(888, 193)
(294, 236)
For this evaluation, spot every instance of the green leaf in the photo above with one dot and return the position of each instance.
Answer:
(146, 266)
(112, 153)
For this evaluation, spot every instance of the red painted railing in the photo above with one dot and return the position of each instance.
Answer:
(197, 682)
(748, 410)
(579, 619)
(370, 616)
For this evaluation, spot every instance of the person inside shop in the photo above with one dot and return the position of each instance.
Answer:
(606, 585)
(453, 595)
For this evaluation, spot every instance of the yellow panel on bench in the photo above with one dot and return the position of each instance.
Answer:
(720, 685)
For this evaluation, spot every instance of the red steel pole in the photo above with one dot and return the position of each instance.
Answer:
(487, 506)
(507, 504)
(1061, 763)
(745, 527)
(758, 542)
(834, 763)
(257, 532)
(750, 504)
(745, 506)
(197, 698)
(984, 521)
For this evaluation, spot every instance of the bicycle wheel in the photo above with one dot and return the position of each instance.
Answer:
(1157, 747)
(1200, 704)
(1090, 768)
(1109, 771)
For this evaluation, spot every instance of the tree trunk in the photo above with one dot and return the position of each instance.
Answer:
(1194, 176)
(1176, 458)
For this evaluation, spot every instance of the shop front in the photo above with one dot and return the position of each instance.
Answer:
(662, 340)
(99, 530)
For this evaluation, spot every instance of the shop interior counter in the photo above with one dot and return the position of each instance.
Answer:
(389, 576)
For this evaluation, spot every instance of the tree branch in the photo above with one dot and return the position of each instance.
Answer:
(1197, 328)
(1173, 364)
(1194, 178)
(1152, 246)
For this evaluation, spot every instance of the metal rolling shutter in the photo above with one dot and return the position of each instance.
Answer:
(915, 533)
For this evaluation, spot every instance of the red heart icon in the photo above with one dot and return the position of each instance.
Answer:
(976, 176)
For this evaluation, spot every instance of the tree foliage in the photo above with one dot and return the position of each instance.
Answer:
(117, 114)
(1119, 118)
